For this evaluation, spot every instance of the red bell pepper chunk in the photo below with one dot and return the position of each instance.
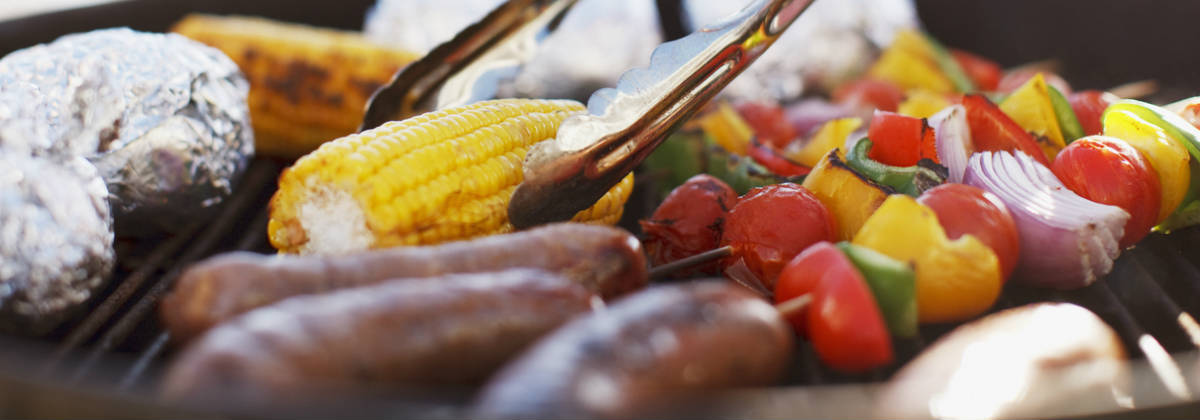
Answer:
(843, 322)
(776, 163)
(900, 140)
(992, 129)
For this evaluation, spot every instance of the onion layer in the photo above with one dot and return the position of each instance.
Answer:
(953, 140)
(1067, 241)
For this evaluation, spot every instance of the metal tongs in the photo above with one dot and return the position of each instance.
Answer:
(592, 151)
(467, 68)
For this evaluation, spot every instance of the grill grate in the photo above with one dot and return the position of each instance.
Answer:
(1147, 299)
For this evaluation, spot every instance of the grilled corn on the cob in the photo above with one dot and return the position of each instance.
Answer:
(445, 175)
(307, 85)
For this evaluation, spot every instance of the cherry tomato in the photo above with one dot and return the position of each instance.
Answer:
(900, 140)
(771, 224)
(768, 122)
(776, 163)
(878, 94)
(843, 322)
(689, 221)
(962, 209)
(1108, 170)
(1015, 79)
(985, 73)
(992, 129)
(1089, 106)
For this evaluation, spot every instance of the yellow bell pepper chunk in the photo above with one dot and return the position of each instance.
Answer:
(922, 104)
(913, 41)
(1167, 156)
(910, 71)
(956, 280)
(1030, 107)
(848, 196)
(727, 129)
(830, 136)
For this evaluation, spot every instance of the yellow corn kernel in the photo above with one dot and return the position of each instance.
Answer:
(445, 175)
(307, 85)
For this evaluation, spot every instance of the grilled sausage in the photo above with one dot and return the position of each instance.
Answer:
(654, 346)
(606, 260)
(451, 330)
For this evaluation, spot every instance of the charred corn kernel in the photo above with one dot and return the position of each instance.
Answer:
(307, 85)
(441, 176)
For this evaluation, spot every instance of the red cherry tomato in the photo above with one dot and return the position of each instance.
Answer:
(992, 129)
(771, 224)
(877, 94)
(1015, 79)
(689, 221)
(1108, 170)
(843, 321)
(963, 209)
(1089, 106)
(768, 122)
(985, 73)
(776, 163)
(901, 140)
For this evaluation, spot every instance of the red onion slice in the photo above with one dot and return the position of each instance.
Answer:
(953, 139)
(1067, 241)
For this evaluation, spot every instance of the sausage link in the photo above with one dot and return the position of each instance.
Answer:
(659, 344)
(605, 260)
(452, 330)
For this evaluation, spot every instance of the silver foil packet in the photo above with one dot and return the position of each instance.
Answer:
(599, 40)
(56, 240)
(162, 117)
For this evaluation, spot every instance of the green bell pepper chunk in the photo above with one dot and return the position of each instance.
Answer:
(1068, 122)
(892, 282)
(687, 153)
(911, 180)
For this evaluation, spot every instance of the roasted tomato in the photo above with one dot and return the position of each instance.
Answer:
(1089, 106)
(689, 221)
(962, 209)
(900, 140)
(771, 224)
(992, 129)
(842, 321)
(1108, 170)
(768, 122)
(878, 94)
(985, 73)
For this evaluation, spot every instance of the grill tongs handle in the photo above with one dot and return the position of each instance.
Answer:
(468, 67)
(593, 151)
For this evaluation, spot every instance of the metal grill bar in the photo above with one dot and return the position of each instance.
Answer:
(257, 179)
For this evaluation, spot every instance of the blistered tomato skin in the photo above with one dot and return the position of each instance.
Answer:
(1108, 170)
(689, 221)
(966, 210)
(771, 224)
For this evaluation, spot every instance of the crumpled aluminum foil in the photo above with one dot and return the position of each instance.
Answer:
(163, 118)
(56, 240)
(600, 40)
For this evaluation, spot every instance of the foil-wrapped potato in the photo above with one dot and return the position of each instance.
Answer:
(163, 118)
(56, 240)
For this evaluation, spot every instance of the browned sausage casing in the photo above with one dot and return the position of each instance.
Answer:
(455, 329)
(606, 260)
(658, 344)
